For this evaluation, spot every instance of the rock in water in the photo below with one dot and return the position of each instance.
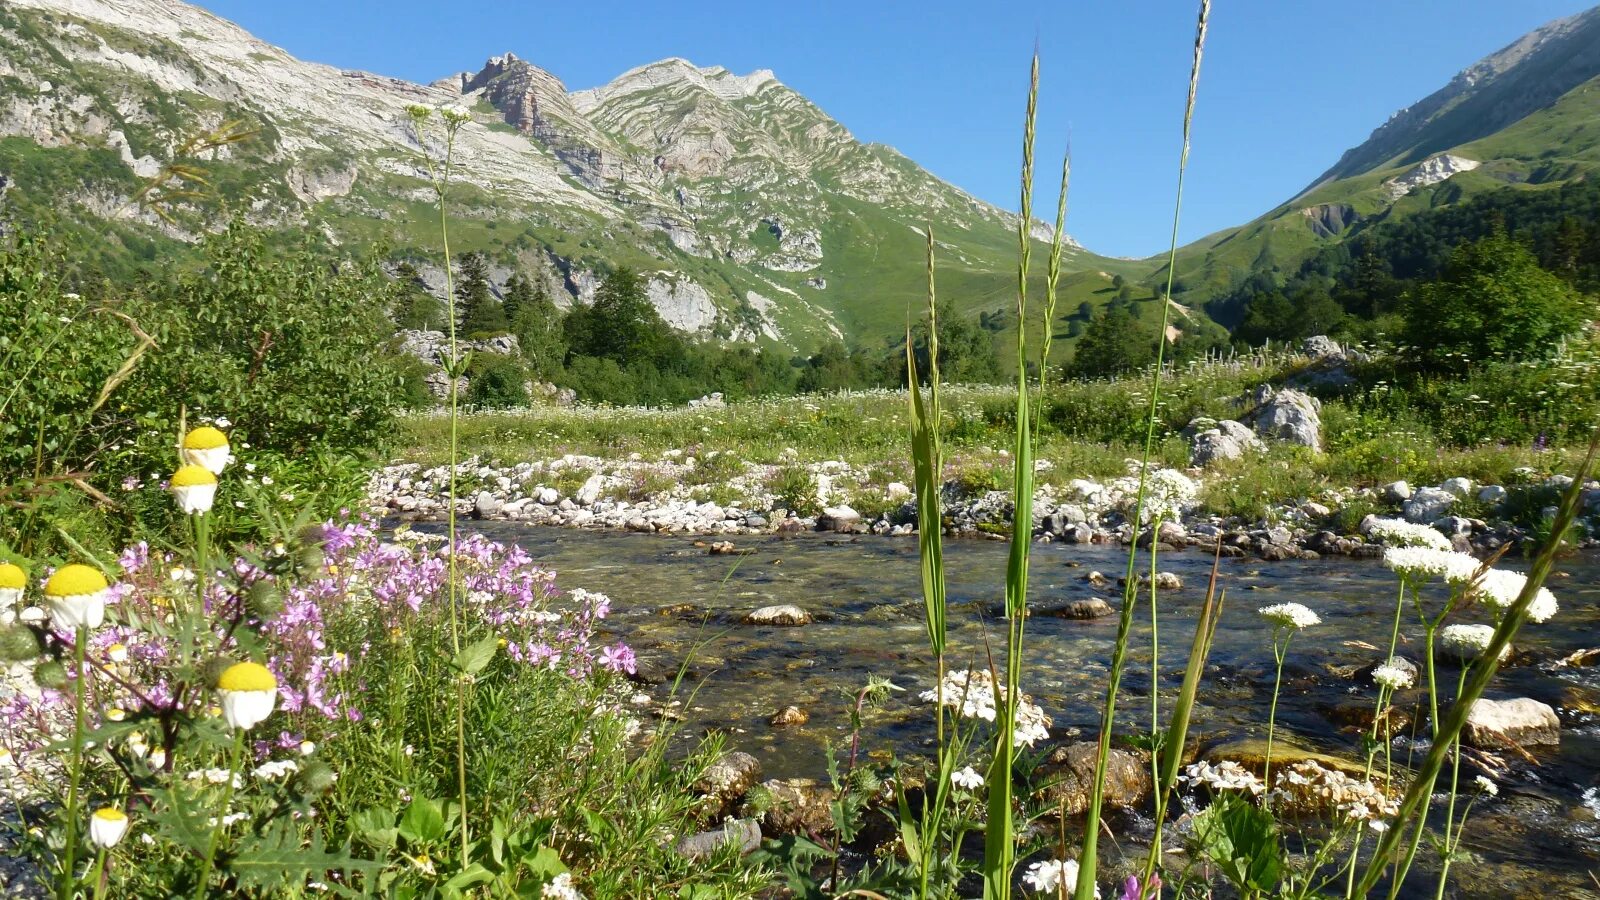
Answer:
(789, 717)
(786, 614)
(791, 806)
(841, 519)
(1091, 608)
(1068, 778)
(1508, 724)
(728, 779)
(486, 506)
(745, 833)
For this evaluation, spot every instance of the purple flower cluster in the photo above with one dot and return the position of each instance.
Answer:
(367, 590)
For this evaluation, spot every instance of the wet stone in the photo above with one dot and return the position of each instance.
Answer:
(1068, 778)
(789, 717)
(785, 614)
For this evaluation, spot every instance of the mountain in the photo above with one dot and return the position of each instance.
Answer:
(1526, 118)
(753, 214)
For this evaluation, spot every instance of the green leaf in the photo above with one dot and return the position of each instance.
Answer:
(376, 824)
(544, 863)
(474, 657)
(423, 822)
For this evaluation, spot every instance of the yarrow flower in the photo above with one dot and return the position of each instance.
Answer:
(249, 692)
(1393, 677)
(208, 448)
(1468, 642)
(1420, 564)
(560, 888)
(1048, 876)
(75, 595)
(107, 826)
(967, 779)
(1498, 589)
(1400, 533)
(1488, 787)
(1290, 615)
(973, 695)
(195, 489)
(1223, 776)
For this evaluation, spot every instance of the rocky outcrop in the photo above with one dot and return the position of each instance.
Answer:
(682, 302)
(1227, 440)
(1430, 171)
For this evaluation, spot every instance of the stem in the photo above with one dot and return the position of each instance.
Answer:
(1404, 868)
(76, 775)
(102, 867)
(222, 815)
(1272, 715)
(1450, 810)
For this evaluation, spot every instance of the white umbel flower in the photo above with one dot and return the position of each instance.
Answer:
(107, 826)
(1290, 615)
(1498, 589)
(967, 779)
(1488, 787)
(195, 489)
(1424, 563)
(560, 888)
(1400, 533)
(1468, 642)
(249, 692)
(1393, 677)
(75, 595)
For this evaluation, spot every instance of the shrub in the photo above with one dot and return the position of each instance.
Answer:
(497, 380)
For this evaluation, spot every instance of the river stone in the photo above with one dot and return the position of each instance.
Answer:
(782, 614)
(1427, 505)
(728, 779)
(1492, 494)
(789, 717)
(1081, 533)
(722, 548)
(1287, 415)
(1090, 608)
(745, 833)
(839, 519)
(755, 521)
(1097, 579)
(1068, 778)
(791, 806)
(1508, 724)
(1395, 492)
(1252, 754)
(1460, 487)
(486, 506)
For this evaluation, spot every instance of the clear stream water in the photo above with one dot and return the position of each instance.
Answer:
(678, 605)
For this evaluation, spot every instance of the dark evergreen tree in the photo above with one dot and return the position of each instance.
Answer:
(621, 324)
(1115, 342)
(480, 312)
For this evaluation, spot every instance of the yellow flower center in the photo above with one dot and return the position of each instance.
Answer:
(110, 814)
(73, 580)
(193, 476)
(205, 438)
(247, 676)
(12, 578)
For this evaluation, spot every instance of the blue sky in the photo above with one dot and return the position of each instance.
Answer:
(1287, 85)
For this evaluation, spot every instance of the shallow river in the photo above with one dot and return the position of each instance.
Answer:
(678, 605)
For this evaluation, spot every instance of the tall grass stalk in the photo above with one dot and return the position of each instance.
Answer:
(1414, 807)
(999, 849)
(440, 175)
(1091, 829)
(928, 464)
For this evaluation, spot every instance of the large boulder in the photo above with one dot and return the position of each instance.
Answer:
(1322, 347)
(1287, 415)
(841, 519)
(1509, 724)
(727, 780)
(1228, 440)
(791, 806)
(1428, 505)
(743, 833)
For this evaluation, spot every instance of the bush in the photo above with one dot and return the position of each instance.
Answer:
(497, 380)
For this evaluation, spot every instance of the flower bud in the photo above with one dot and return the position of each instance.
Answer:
(18, 643)
(315, 778)
(264, 600)
(50, 674)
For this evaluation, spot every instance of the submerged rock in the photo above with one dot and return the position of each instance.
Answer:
(1090, 608)
(784, 614)
(789, 717)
